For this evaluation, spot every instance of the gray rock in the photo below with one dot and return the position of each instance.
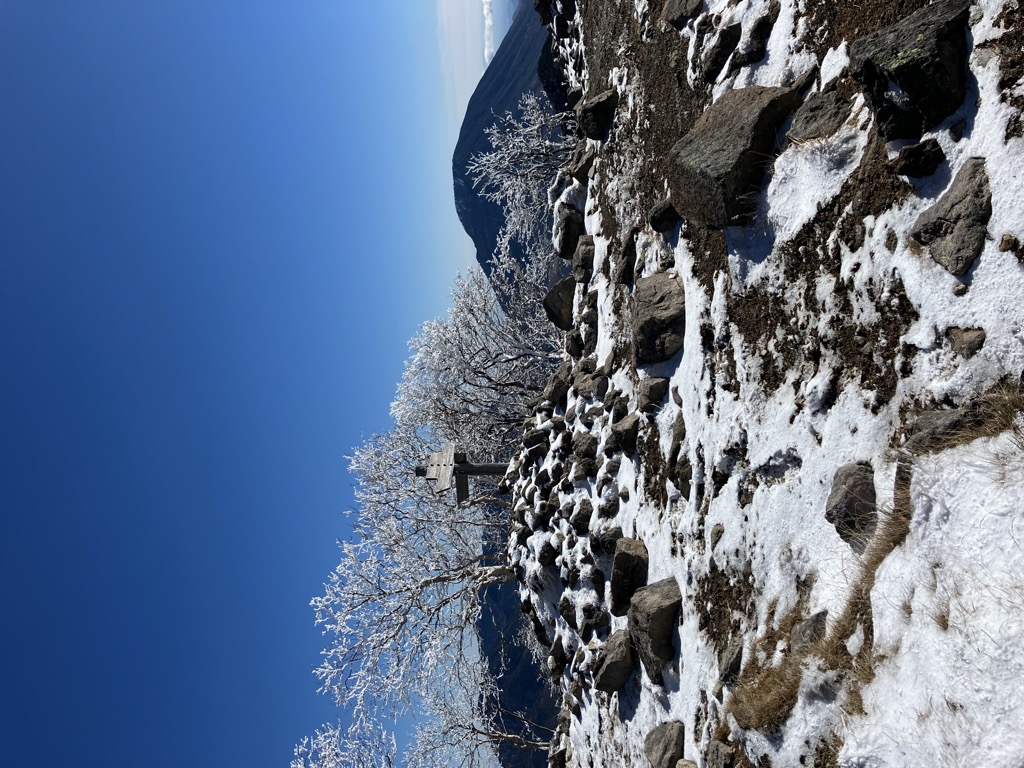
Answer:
(650, 392)
(851, 504)
(819, 117)
(716, 170)
(605, 540)
(808, 632)
(719, 755)
(966, 342)
(584, 445)
(629, 573)
(730, 661)
(616, 664)
(558, 303)
(624, 434)
(717, 531)
(652, 621)
(914, 73)
(581, 515)
(919, 160)
(659, 317)
(568, 230)
(557, 658)
(567, 610)
(583, 260)
(936, 429)
(664, 745)
(596, 113)
(955, 228)
(677, 12)
(557, 386)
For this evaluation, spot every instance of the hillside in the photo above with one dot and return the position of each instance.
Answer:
(767, 513)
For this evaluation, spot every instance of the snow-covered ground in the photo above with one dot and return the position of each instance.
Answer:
(928, 669)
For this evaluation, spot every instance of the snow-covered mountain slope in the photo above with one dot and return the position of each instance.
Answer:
(769, 510)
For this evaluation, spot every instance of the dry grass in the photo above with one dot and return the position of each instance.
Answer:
(765, 702)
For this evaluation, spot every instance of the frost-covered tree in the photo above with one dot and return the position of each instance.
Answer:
(528, 147)
(472, 373)
(335, 747)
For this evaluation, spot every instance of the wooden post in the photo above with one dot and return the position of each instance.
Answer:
(446, 466)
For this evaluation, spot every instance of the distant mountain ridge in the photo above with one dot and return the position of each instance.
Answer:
(514, 70)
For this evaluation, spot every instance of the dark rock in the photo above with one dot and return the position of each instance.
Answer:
(663, 217)
(808, 632)
(652, 622)
(567, 610)
(730, 661)
(585, 468)
(557, 386)
(918, 160)
(757, 42)
(560, 27)
(580, 518)
(677, 12)
(716, 170)
(624, 434)
(574, 343)
(558, 303)
(594, 617)
(629, 573)
(543, 8)
(582, 162)
(557, 658)
(584, 445)
(725, 44)
(605, 540)
(608, 509)
(954, 229)
(819, 117)
(568, 7)
(547, 553)
(596, 113)
(664, 745)
(966, 342)
(659, 318)
(650, 392)
(616, 665)
(583, 260)
(568, 230)
(851, 504)
(914, 73)
(535, 437)
(625, 266)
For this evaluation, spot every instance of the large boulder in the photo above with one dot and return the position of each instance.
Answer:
(966, 342)
(851, 504)
(558, 303)
(568, 230)
(629, 573)
(955, 228)
(716, 170)
(659, 317)
(596, 113)
(652, 620)
(663, 746)
(914, 73)
(616, 663)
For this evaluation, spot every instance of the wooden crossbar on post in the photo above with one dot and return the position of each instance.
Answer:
(446, 466)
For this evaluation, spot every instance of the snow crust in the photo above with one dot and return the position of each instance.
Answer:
(947, 636)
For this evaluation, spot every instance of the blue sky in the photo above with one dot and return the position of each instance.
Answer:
(220, 222)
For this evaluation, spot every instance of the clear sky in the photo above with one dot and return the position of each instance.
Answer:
(220, 222)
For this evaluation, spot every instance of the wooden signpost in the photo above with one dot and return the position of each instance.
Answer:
(446, 466)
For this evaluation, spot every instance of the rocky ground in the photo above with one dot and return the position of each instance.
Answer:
(778, 467)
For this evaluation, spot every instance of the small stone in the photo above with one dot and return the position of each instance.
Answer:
(966, 342)
(808, 632)
(629, 573)
(663, 216)
(918, 160)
